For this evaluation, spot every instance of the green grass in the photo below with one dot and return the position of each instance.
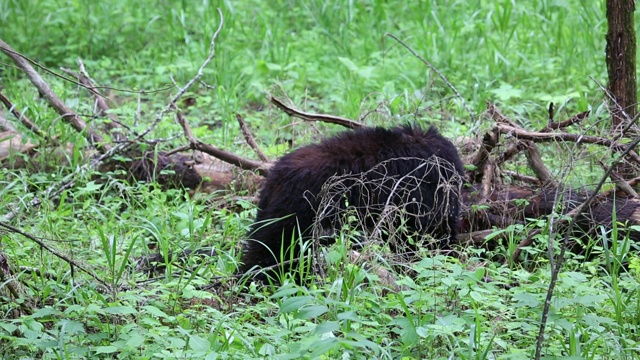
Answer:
(328, 56)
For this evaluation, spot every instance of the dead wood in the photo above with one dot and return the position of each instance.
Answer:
(23, 119)
(513, 204)
(226, 156)
(533, 155)
(251, 141)
(9, 282)
(479, 160)
(570, 137)
(292, 111)
(71, 262)
(65, 112)
(231, 158)
(531, 180)
(198, 172)
(621, 184)
(566, 123)
(102, 109)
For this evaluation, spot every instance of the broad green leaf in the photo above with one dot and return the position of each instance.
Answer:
(294, 303)
(312, 311)
(105, 349)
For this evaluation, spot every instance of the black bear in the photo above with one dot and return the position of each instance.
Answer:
(363, 169)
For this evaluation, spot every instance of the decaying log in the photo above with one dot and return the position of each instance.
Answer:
(513, 204)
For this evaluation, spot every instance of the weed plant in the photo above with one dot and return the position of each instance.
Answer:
(328, 56)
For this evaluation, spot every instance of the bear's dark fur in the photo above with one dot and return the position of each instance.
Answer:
(289, 198)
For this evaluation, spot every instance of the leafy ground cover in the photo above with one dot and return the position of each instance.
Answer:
(328, 56)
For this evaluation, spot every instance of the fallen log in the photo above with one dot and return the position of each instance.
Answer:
(513, 204)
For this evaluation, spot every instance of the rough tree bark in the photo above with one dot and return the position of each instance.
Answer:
(621, 59)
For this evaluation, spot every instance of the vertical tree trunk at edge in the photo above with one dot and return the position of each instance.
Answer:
(621, 58)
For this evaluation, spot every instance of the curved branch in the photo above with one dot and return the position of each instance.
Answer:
(53, 251)
(61, 108)
(291, 111)
(577, 138)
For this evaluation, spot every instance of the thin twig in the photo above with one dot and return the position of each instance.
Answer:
(189, 84)
(574, 214)
(57, 254)
(250, 139)
(178, 149)
(24, 119)
(441, 75)
(618, 110)
(102, 108)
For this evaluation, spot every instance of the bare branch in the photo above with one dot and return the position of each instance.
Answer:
(487, 180)
(291, 111)
(521, 177)
(537, 165)
(578, 138)
(24, 119)
(533, 155)
(101, 104)
(518, 146)
(67, 114)
(621, 184)
(250, 139)
(218, 153)
(481, 157)
(566, 123)
(56, 253)
(185, 128)
(441, 75)
(189, 84)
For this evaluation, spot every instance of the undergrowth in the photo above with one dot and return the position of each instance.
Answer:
(328, 56)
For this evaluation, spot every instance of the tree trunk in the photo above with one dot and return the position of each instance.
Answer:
(621, 59)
